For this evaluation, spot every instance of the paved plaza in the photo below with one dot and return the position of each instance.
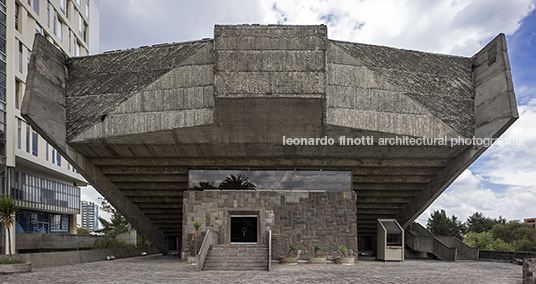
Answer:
(166, 269)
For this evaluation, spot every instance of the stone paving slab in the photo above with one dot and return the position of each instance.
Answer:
(167, 269)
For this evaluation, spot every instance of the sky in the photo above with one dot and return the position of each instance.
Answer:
(502, 182)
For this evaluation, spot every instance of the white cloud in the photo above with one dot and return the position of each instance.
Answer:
(514, 164)
(454, 27)
(468, 195)
(445, 26)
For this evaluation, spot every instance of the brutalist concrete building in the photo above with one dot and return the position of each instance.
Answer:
(137, 122)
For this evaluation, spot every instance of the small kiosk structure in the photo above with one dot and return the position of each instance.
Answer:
(390, 240)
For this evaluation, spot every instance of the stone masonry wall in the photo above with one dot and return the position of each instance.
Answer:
(302, 218)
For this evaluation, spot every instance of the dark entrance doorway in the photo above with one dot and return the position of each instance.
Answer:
(243, 229)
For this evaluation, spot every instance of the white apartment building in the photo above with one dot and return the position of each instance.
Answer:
(44, 184)
(89, 215)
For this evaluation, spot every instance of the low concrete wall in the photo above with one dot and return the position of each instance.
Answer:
(505, 256)
(46, 259)
(55, 241)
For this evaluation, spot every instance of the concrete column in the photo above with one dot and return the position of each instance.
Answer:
(72, 225)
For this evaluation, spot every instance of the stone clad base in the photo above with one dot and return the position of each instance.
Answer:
(301, 218)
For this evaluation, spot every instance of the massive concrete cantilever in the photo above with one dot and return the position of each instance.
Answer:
(134, 122)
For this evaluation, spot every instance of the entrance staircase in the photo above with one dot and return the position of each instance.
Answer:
(419, 239)
(237, 257)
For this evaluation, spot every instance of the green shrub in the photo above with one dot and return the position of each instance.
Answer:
(111, 243)
(317, 247)
(11, 261)
(292, 247)
(343, 250)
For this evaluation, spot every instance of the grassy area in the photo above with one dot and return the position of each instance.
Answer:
(13, 261)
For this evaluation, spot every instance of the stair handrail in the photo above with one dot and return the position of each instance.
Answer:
(269, 250)
(211, 238)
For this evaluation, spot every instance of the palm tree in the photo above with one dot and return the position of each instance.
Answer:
(239, 181)
(197, 227)
(8, 209)
(204, 185)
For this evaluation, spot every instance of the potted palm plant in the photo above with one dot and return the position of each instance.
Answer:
(8, 209)
(317, 260)
(345, 260)
(197, 227)
(290, 260)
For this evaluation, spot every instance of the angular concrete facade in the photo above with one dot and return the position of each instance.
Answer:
(136, 121)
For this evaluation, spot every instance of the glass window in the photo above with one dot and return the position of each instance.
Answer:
(29, 55)
(17, 91)
(53, 155)
(84, 32)
(58, 158)
(70, 41)
(87, 9)
(27, 138)
(17, 9)
(3, 47)
(60, 29)
(80, 25)
(46, 149)
(55, 22)
(48, 14)
(19, 133)
(36, 6)
(34, 143)
(62, 5)
(67, 10)
(20, 57)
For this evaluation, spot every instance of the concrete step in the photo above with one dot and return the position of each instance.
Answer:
(235, 268)
(236, 260)
(230, 264)
(237, 257)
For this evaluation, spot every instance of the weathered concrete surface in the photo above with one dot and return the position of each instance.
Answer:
(55, 241)
(227, 103)
(48, 259)
(45, 109)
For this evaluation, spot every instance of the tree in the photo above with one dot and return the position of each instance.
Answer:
(205, 185)
(197, 227)
(485, 241)
(115, 226)
(440, 224)
(239, 181)
(479, 223)
(8, 209)
(83, 231)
